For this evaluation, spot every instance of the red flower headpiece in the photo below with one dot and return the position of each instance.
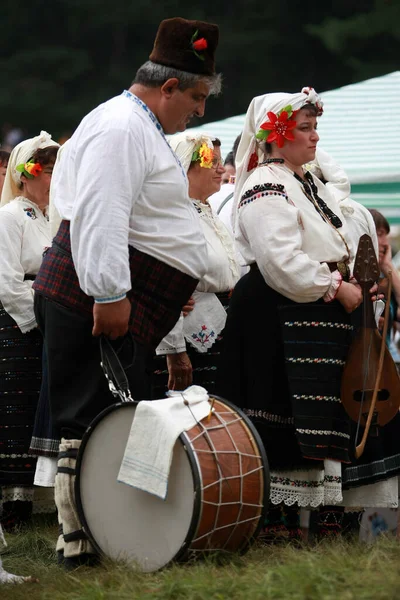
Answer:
(279, 127)
(198, 45)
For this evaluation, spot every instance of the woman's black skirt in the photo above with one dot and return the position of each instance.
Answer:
(20, 379)
(282, 363)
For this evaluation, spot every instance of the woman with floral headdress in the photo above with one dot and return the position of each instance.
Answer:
(24, 235)
(192, 347)
(290, 318)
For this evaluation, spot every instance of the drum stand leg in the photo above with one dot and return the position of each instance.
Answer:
(74, 542)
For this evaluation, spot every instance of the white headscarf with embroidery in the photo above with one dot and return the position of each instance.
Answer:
(256, 114)
(20, 155)
(184, 144)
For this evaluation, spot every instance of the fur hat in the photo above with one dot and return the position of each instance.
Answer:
(186, 45)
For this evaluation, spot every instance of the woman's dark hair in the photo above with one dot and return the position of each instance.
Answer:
(380, 221)
(229, 159)
(44, 156)
(311, 109)
(4, 156)
(235, 147)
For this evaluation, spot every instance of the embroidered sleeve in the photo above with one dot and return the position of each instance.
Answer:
(262, 191)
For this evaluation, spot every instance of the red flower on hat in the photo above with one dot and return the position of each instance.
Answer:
(200, 44)
(279, 127)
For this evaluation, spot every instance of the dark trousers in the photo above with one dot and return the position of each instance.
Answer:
(78, 390)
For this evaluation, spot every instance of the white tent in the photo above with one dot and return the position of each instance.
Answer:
(360, 128)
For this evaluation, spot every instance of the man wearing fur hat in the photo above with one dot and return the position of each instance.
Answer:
(129, 250)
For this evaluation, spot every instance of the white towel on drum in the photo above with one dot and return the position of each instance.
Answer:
(156, 426)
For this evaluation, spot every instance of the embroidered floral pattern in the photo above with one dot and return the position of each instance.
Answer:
(261, 191)
(204, 337)
(30, 212)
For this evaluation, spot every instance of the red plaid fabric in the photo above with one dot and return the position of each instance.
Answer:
(157, 295)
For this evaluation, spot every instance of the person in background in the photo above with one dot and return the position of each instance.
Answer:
(24, 235)
(191, 349)
(385, 264)
(4, 156)
(229, 165)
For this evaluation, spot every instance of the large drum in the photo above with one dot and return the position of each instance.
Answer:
(218, 490)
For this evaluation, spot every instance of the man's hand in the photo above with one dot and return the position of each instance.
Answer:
(111, 319)
(179, 371)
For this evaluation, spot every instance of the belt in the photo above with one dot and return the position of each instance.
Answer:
(340, 266)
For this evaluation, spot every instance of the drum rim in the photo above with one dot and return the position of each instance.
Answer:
(197, 496)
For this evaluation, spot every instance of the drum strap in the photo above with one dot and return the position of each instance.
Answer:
(114, 371)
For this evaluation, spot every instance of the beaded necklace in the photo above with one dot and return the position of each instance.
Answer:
(157, 124)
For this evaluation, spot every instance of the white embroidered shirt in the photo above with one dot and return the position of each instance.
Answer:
(119, 183)
(24, 235)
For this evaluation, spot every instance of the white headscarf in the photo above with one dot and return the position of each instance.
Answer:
(255, 116)
(20, 155)
(184, 144)
(337, 181)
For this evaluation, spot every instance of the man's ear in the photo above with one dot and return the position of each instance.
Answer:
(170, 87)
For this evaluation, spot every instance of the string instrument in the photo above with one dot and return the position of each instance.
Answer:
(370, 384)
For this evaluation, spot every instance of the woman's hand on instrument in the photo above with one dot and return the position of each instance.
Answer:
(374, 295)
(179, 371)
(111, 319)
(188, 307)
(350, 296)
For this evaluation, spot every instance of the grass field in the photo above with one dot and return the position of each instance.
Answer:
(333, 570)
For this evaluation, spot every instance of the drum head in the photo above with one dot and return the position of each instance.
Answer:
(125, 523)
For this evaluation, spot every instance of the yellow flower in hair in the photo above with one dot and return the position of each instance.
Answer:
(206, 156)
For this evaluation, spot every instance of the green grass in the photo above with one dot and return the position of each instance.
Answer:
(333, 570)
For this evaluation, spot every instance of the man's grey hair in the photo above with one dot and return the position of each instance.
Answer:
(154, 75)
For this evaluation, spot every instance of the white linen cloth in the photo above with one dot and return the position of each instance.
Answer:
(46, 471)
(286, 236)
(24, 235)
(222, 275)
(155, 429)
(119, 183)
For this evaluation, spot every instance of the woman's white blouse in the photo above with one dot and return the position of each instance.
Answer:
(221, 276)
(24, 235)
(280, 229)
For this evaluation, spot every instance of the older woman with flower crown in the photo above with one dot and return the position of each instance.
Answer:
(192, 347)
(290, 318)
(24, 235)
